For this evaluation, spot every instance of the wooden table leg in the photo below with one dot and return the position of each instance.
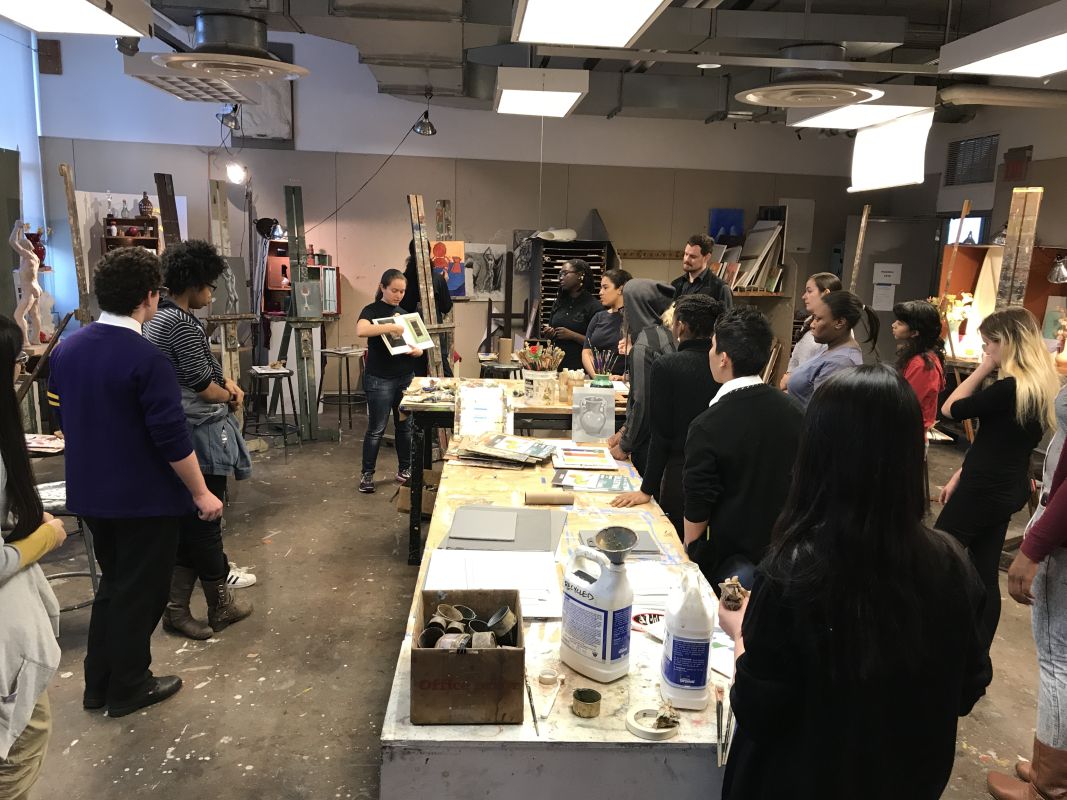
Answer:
(418, 436)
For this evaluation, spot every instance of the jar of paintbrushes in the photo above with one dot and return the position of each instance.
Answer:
(603, 365)
(539, 366)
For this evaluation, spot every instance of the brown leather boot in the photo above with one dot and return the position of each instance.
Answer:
(1023, 770)
(1049, 772)
(1005, 787)
(177, 618)
(223, 606)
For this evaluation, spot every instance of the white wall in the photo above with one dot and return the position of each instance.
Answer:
(18, 123)
(338, 109)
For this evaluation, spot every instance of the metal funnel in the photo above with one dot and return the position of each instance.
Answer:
(616, 543)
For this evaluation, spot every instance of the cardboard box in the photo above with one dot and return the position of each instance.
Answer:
(451, 687)
(431, 479)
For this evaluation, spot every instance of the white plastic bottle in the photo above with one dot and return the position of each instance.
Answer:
(689, 624)
(596, 617)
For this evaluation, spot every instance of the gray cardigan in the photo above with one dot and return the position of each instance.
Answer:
(30, 654)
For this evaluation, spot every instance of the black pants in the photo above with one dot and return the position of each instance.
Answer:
(200, 541)
(984, 540)
(136, 559)
(671, 496)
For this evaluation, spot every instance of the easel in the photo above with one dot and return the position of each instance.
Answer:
(861, 238)
(968, 426)
(507, 318)
(307, 411)
(168, 209)
(443, 330)
(81, 266)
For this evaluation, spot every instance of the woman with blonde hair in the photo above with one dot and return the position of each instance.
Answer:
(1013, 413)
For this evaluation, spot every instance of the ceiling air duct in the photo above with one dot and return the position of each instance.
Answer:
(808, 87)
(230, 47)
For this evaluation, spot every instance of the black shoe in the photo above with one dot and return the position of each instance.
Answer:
(154, 690)
(366, 483)
(403, 476)
(93, 702)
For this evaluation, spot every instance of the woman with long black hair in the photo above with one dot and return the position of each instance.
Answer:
(385, 379)
(29, 620)
(834, 317)
(860, 633)
(921, 353)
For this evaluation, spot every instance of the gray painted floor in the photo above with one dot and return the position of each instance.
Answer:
(288, 704)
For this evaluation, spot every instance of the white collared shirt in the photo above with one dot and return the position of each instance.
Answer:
(119, 321)
(733, 385)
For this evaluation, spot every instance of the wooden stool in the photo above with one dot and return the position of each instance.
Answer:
(345, 397)
(259, 422)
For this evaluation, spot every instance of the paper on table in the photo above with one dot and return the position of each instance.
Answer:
(532, 574)
(721, 658)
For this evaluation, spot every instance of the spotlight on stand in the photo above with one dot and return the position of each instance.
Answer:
(232, 118)
(423, 126)
(236, 173)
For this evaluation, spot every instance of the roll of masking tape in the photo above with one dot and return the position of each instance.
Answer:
(549, 498)
(642, 722)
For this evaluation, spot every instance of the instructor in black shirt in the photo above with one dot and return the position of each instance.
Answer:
(698, 277)
(572, 312)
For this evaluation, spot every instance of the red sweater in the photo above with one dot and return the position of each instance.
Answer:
(928, 380)
(1050, 531)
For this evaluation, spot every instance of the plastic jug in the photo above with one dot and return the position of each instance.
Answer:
(597, 607)
(688, 626)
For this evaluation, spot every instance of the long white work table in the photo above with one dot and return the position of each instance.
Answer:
(562, 755)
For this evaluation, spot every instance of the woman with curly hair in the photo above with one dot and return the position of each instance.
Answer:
(921, 353)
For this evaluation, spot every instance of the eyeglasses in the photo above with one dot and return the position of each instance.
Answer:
(213, 286)
(563, 272)
(162, 291)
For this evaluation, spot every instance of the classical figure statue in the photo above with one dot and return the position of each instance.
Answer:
(28, 306)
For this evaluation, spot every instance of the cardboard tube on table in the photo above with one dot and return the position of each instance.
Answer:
(550, 498)
(504, 351)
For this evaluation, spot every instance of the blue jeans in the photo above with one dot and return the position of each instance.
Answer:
(384, 395)
(1050, 636)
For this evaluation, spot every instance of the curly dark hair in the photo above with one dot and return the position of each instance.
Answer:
(699, 312)
(925, 320)
(703, 241)
(191, 265)
(124, 277)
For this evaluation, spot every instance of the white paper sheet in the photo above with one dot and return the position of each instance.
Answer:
(884, 296)
(532, 574)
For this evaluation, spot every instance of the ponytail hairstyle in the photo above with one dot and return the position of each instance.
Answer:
(1025, 357)
(922, 319)
(824, 282)
(845, 305)
(21, 490)
(388, 277)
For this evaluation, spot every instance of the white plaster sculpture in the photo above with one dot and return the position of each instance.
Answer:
(28, 306)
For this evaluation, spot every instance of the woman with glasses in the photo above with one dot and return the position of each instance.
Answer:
(191, 270)
(572, 312)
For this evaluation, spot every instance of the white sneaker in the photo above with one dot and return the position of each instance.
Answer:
(239, 577)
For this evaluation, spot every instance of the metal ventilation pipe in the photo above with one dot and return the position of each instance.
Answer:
(968, 95)
(233, 34)
(829, 51)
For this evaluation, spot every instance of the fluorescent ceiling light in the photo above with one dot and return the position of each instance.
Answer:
(103, 17)
(891, 154)
(1033, 45)
(594, 23)
(897, 101)
(539, 92)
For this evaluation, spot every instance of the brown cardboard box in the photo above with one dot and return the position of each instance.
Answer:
(431, 479)
(476, 686)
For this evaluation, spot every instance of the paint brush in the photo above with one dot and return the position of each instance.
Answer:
(718, 722)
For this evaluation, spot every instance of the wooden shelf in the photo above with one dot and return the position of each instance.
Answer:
(757, 293)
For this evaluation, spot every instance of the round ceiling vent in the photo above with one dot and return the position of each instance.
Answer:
(809, 94)
(230, 67)
(230, 47)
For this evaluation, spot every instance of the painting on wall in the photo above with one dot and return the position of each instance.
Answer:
(484, 265)
(726, 225)
(447, 258)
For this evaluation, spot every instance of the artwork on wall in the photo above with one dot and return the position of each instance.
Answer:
(307, 299)
(447, 258)
(726, 225)
(484, 265)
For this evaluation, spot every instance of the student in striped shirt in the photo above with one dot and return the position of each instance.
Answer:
(190, 272)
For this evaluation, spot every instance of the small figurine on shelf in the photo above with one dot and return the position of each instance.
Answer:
(125, 212)
(145, 206)
(112, 228)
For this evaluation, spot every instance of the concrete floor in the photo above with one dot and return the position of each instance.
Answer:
(288, 704)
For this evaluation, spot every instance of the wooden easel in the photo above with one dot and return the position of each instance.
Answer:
(861, 238)
(307, 411)
(81, 266)
(168, 209)
(968, 426)
(440, 331)
(507, 318)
